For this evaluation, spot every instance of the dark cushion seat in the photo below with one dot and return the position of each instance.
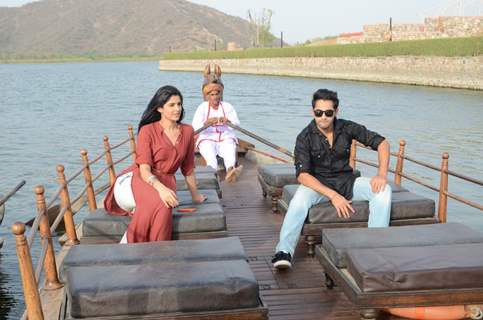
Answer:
(167, 287)
(204, 169)
(205, 180)
(207, 217)
(336, 242)
(457, 266)
(405, 205)
(278, 175)
(184, 197)
(229, 248)
(289, 191)
(281, 174)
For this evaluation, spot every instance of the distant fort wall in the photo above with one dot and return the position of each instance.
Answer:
(452, 72)
(432, 28)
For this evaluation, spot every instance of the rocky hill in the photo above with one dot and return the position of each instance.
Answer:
(116, 27)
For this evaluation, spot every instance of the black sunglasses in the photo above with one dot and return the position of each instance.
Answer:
(329, 113)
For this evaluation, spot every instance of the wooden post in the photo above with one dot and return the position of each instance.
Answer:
(91, 197)
(65, 203)
(30, 289)
(443, 189)
(352, 157)
(400, 161)
(110, 163)
(51, 279)
(132, 142)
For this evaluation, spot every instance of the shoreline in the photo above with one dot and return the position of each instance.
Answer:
(443, 72)
(76, 60)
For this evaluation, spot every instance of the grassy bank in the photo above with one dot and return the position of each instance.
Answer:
(435, 47)
(53, 58)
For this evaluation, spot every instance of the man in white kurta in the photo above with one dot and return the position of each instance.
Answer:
(218, 139)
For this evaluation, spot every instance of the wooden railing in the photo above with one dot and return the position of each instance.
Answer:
(46, 261)
(443, 170)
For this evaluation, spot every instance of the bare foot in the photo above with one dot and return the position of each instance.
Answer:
(233, 174)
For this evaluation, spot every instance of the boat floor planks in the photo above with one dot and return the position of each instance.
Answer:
(297, 294)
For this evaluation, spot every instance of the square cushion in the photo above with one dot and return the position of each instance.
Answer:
(207, 217)
(160, 288)
(278, 175)
(289, 191)
(203, 181)
(336, 242)
(281, 174)
(184, 197)
(440, 267)
(229, 248)
(205, 169)
(405, 205)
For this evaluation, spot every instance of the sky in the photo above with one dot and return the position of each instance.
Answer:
(303, 20)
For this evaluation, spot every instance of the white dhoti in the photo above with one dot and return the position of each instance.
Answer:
(226, 149)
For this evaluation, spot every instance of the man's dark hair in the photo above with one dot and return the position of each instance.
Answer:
(324, 94)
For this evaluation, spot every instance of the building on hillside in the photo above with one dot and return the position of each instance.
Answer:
(232, 46)
(350, 37)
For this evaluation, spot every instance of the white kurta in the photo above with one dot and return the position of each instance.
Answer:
(217, 139)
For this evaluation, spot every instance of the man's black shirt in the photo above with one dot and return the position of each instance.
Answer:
(330, 166)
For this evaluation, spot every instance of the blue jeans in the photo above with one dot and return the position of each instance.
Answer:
(305, 198)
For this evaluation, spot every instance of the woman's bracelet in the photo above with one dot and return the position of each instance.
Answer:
(152, 179)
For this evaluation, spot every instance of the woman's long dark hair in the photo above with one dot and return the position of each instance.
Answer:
(159, 99)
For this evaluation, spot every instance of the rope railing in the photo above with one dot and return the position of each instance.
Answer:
(99, 157)
(40, 262)
(75, 175)
(443, 170)
(123, 158)
(80, 194)
(463, 177)
(58, 219)
(421, 163)
(430, 166)
(36, 222)
(373, 164)
(33, 230)
(418, 181)
(120, 144)
(465, 201)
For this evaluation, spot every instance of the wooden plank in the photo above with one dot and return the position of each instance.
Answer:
(296, 294)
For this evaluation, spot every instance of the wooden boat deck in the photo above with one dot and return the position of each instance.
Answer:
(299, 293)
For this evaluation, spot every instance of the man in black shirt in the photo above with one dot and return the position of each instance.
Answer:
(322, 153)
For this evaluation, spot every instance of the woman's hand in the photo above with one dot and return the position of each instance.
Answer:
(168, 197)
(198, 198)
(342, 205)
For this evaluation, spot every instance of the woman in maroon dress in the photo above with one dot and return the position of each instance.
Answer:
(164, 144)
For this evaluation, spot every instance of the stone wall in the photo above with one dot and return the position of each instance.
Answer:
(452, 72)
(438, 27)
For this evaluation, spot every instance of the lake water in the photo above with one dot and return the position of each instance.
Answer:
(48, 112)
